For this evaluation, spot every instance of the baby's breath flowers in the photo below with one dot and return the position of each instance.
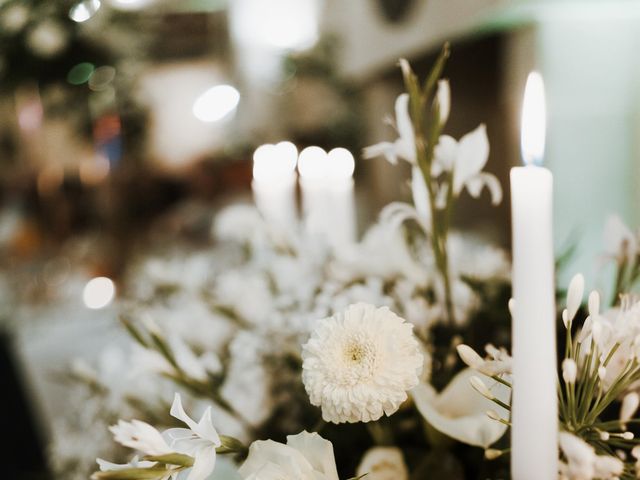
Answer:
(359, 364)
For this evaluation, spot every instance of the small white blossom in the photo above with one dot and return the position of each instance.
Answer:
(199, 440)
(359, 364)
(466, 159)
(140, 436)
(405, 146)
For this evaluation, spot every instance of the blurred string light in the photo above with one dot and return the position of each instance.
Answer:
(83, 11)
(277, 24)
(216, 103)
(98, 292)
(80, 73)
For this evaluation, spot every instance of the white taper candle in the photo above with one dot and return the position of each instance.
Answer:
(534, 432)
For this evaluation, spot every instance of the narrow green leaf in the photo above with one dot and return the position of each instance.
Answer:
(151, 473)
(172, 459)
(133, 331)
(436, 71)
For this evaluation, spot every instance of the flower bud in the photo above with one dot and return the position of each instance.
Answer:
(630, 404)
(569, 370)
(481, 388)
(492, 453)
(469, 356)
(574, 295)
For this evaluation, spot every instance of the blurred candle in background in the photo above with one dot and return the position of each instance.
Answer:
(534, 417)
(328, 202)
(274, 183)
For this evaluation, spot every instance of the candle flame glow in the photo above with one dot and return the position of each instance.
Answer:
(534, 120)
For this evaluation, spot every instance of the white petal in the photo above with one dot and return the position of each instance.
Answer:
(460, 412)
(317, 451)
(388, 149)
(483, 179)
(473, 153)
(444, 100)
(421, 197)
(403, 120)
(205, 462)
(444, 155)
(177, 411)
(575, 293)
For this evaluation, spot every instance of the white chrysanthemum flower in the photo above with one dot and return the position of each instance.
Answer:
(359, 364)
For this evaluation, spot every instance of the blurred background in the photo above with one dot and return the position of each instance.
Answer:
(126, 124)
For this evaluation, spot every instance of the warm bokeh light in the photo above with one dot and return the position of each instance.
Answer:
(216, 103)
(83, 11)
(534, 120)
(98, 292)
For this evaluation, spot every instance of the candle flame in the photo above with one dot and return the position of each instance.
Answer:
(534, 120)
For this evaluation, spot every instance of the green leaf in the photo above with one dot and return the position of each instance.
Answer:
(172, 459)
(133, 331)
(151, 473)
(230, 445)
(436, 71)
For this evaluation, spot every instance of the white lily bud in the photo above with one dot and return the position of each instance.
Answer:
(481, 388)
(569, 370)
(469, 356)
(602, 372)
(512, 306)
(594, 303)
(443, 96)
(635, 452)
(565, 319)
(604, 436)
(628, 435)
(586, 330)
(629, 406)
(574, 295)
(492, 453)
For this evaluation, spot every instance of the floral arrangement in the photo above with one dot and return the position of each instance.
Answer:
(321, 363)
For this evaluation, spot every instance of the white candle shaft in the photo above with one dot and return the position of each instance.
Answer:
(534, 432)
(329, 209)
(276, 201)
